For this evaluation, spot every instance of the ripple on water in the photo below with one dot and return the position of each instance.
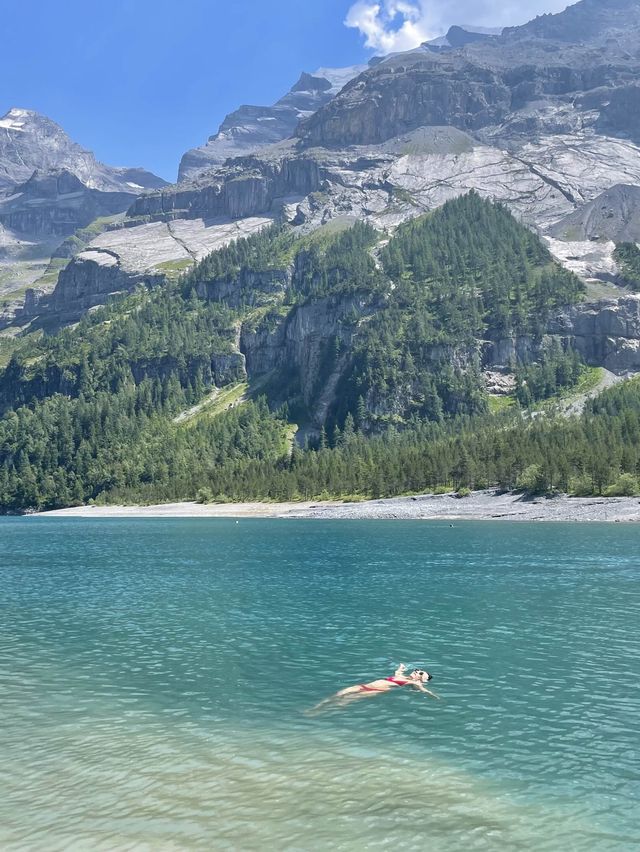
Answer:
(154, 678)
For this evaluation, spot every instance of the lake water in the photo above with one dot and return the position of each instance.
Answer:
(154, 677)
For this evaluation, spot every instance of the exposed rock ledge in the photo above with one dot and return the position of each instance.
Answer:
(120, 260)
(606, 333)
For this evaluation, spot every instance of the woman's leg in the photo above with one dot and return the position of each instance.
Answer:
(339, 699)
(350, 690)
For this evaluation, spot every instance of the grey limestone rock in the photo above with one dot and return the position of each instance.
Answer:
(252, 128)
(123, 259)
(460, 35)
(49, 188)
(251, 287)
(612, 215)
(56, 202)
(606, 333)
(554, 61)
(585, 21)
(541, 118)
(298, 343)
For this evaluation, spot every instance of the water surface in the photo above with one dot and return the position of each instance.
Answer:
(154, 676)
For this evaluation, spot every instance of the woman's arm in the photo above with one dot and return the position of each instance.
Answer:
(399, 672)
(424, 689)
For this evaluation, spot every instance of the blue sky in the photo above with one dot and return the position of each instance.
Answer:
(140, 81)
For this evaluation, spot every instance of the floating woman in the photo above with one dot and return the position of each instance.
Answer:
(417, 678)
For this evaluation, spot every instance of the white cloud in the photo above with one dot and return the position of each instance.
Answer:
(393, 25)
(390, 25)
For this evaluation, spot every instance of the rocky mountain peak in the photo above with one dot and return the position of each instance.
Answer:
(31, 142)
(22, 120)
(49, 187)
(310, 83)
(250, 129)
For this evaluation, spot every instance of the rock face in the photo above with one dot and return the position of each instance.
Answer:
(251, 128)
(545, 179)
(89, 279)
(57, 203)
(554, 61)
(114, 262)
(606, 333)
(591, 260)
(542, 125)
(613, 215)
(248, 288)
(459, 36)
(583, 21)
(246, 186)
(300, 346)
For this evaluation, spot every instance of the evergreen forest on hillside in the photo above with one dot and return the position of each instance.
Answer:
(627, 256)
(125, 406)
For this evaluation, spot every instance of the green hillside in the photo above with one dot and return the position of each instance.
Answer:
(110, 410)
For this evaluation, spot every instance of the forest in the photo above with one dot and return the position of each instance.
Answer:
(97, 412)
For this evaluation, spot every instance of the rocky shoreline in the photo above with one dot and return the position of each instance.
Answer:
(478, 506)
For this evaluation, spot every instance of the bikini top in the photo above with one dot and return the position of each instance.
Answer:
(397, 682)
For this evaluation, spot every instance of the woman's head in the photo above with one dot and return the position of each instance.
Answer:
(421, 675)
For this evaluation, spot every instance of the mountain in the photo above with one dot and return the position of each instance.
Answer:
(32, 142)
(545, 126)
(334, 327)
(49, 188)
(487, 83)
(450, 224)
(376, 351)
(251, 128)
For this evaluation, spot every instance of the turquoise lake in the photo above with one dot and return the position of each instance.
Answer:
(154, 678)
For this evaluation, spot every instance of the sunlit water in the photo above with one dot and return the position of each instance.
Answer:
(154, 676)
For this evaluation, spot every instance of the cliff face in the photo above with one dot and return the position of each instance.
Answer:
(606, 333)
(304, 349)
(586, 21)
(477, 86)
(248, 288)
(116, 262)
(246, 186)
(57, 203)
(90, 279)
(544, 124)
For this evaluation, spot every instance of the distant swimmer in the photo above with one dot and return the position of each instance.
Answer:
(416, 679)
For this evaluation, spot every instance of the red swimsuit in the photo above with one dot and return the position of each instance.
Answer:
(392, 680)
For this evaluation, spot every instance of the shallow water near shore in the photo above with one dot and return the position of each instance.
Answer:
(155, 676)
